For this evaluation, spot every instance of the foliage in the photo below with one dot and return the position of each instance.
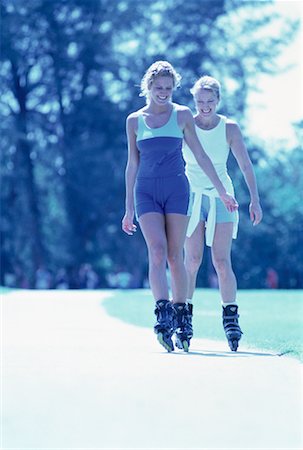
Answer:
(69, 77)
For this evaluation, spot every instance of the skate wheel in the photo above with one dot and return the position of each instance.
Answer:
(185, 346)
(234, 345)
(165, 344)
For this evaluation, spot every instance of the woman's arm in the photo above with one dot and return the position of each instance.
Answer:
(130, 176)
(239, 150)
(203, 160)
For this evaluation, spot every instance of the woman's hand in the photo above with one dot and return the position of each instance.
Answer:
(128, 225)
(255, 212)
(229, 201)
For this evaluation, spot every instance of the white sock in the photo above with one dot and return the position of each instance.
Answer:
(189, 300)
(229, 303)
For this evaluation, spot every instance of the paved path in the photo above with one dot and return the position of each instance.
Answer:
(73, 377)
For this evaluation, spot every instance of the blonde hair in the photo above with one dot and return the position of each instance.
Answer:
(158, 69)
(208, 83)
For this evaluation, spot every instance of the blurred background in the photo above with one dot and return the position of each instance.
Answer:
(69, 76)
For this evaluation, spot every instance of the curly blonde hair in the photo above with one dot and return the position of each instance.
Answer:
(207, 82)
(158, 69)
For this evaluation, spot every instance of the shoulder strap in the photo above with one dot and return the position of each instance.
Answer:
(141, 126)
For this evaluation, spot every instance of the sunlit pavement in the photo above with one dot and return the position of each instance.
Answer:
(73, 377)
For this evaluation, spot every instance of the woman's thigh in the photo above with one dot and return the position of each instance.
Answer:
(153, 229)
(194, 245)
(176, 226)
(221, 247)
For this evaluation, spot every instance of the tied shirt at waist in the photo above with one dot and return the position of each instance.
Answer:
(211, 219)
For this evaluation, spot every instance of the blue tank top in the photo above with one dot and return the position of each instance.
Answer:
(160, 148)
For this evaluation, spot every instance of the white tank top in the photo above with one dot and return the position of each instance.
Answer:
(215, 145)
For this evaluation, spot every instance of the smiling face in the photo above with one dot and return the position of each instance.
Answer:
(161, 89)
(155, 73)
(206, 101)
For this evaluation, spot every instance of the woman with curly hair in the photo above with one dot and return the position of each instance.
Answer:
(157, 190)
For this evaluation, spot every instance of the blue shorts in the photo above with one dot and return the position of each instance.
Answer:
(167, 195)
(222, 215)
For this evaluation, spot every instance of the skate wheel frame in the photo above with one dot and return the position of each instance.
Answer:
(182, 344)
(161, 340)
(233, 345)
(185, 346)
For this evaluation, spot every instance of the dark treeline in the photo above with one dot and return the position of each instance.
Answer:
(69, 76)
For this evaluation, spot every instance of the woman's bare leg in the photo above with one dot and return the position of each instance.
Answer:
(221, 256)
(153, 228)
(176, 226)
(194, 247)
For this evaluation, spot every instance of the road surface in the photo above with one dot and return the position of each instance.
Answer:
(75, 378)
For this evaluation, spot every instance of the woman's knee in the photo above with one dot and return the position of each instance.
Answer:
(222, 266)
(157, 253)
(193, 261)
(175, 256)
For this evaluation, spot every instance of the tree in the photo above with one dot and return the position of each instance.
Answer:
(70, 74)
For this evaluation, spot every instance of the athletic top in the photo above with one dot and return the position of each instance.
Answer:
(160, 148)
(216, 147)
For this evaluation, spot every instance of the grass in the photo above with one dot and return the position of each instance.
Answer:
(270, 319)
(5, 290)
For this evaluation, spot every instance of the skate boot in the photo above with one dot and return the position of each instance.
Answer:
(190, 308)
(231, 326)
(183, 325)
(164, 326)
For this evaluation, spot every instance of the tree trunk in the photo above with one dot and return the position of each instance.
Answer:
(25, 176)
